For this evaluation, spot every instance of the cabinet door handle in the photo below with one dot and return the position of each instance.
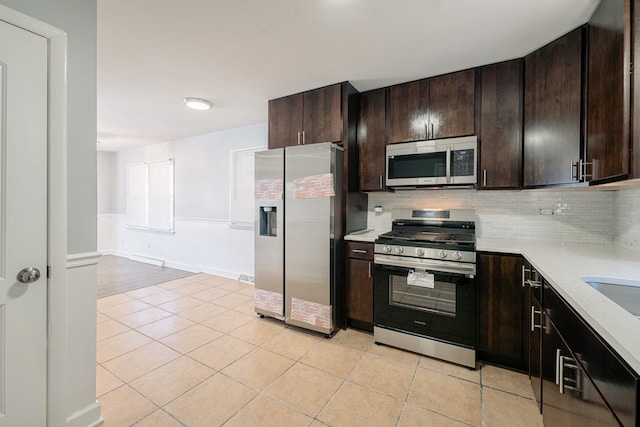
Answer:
(558, 351)
(303, 138)
(484, 177)
(574, 167)
(298, 137)
(432, 132)
(534, 284)
(369, 270)
(381, 181)
(580, 171)
(561, 364)
(594, 169)
(533, 319)
(448, 165)
(359, 251)
(524, 270)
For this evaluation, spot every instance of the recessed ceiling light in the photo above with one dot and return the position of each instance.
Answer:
(197, 103)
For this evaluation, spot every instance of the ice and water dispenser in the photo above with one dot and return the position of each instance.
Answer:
(268, 221)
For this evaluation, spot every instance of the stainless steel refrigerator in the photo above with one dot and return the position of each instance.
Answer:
(299, 276)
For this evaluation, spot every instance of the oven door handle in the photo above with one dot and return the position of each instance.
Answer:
(463, 269)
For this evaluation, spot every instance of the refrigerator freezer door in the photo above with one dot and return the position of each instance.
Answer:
(269, 233)
(313, 182)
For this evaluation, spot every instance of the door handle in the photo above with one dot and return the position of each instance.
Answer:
(561, 380)
(448, 165)
(524, 271)
(28, 275)
(574, 177)
(533, 320)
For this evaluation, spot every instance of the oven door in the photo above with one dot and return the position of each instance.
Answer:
(425, 302)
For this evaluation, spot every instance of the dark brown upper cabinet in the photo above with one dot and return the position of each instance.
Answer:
(306, 118)
(371, 140)
(439, 107)
(609, 91)
(553, 125)
(500, 125)
(285, 121)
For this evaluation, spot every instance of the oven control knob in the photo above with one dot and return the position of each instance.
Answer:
(457, 256)
(420, 252)
(398, 250)
(386, 249)
(442, 254)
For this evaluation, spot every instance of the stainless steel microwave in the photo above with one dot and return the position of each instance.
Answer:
(451, 161)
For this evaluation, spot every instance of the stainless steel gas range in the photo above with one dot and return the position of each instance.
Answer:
(424, 284)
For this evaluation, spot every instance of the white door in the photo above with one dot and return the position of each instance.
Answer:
(23, 227)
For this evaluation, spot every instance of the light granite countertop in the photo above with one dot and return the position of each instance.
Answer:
(563, 266)
(368, 235)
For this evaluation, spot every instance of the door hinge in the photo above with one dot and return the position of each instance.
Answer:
(48, 272)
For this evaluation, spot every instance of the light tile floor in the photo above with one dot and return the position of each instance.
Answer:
(192, 352)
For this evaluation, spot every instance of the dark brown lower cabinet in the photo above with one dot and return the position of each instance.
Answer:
(360, 285)
(585, 382)
(535, 347)
(502, 311)
(570, 398)
(523, 323)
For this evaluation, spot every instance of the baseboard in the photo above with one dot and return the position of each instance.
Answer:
(86, 417)
(148, 260)
(115, 252)
(222, 273)
(182, 266)
(243, 277)
(83, 259)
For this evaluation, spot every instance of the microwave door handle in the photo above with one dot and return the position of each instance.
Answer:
(449, 165)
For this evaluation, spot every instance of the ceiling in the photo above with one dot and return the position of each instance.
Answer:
(241, 53)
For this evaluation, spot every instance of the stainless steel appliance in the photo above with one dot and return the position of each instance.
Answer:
(424, 284)
(299, 278)
(440, 162)
(269, 233)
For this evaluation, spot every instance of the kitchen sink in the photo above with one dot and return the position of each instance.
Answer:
(624, 292)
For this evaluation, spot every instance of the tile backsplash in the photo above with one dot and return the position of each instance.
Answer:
(584, 215)
(626, 232)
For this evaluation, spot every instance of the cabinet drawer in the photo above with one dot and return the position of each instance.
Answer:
(615, 381)
(360, 250)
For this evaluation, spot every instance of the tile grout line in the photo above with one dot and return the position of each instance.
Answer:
(263, 392)
(406, 397)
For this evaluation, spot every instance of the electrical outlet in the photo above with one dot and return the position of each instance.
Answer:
(546, 211)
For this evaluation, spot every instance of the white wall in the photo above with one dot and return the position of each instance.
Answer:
(106, 169)
(203, 240)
